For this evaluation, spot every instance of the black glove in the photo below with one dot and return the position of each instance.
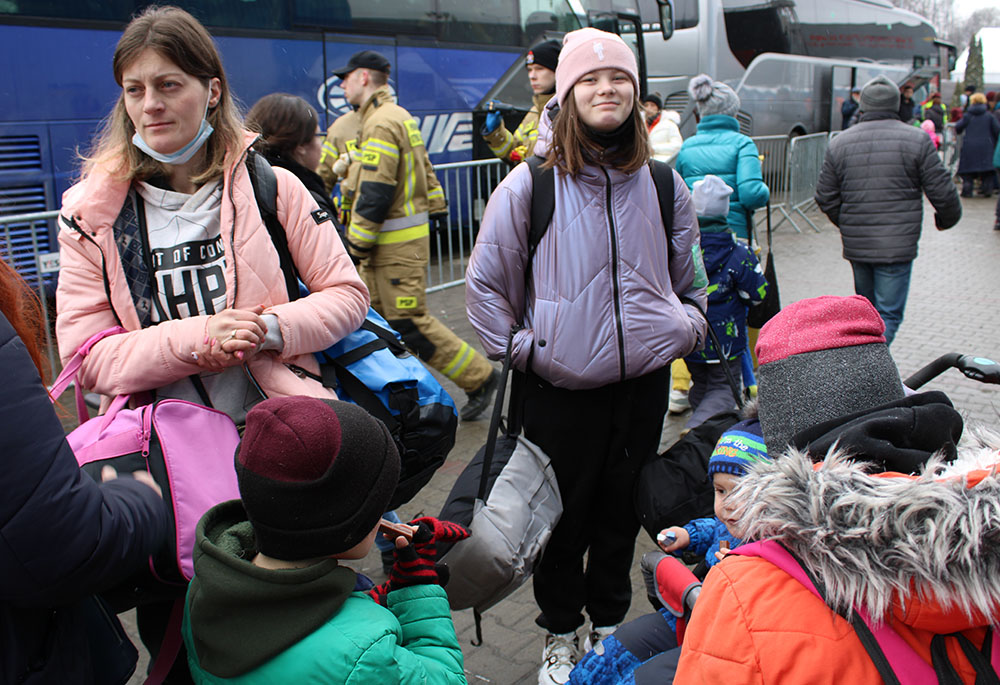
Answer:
(439, 222)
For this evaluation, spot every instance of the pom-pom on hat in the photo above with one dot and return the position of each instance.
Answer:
(315, 475)
(711, 196)
(587, 50)
(738, 448)
(820, 359)
(713, 97)
(545, 54)
(879, 95)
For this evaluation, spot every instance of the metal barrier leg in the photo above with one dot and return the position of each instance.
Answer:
(808, 204)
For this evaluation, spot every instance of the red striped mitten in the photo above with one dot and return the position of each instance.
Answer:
(431, 531)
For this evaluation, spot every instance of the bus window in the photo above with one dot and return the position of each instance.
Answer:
(241, 14)
(487, 23)
(767, 27)
(113, 10)
(685, 13)
(538, 16)
(411, 17)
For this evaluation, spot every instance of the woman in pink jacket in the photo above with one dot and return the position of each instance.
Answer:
(602, 319)
(163, 236)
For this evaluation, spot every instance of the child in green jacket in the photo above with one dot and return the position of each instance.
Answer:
(270, 601)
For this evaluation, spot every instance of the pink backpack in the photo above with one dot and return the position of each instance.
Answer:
(897, 662)
(187, 448)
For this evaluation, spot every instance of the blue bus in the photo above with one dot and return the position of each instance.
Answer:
(56, 83)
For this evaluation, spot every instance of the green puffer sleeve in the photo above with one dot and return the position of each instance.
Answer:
(428, 652)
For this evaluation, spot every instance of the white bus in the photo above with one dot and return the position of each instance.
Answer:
(792, 62)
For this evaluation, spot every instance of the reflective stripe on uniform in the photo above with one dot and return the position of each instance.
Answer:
(405, 222)
(503, 149)
(460, 362)
(436, 192)
(328, 149)
(401, 236)
(393, 230)
(380, 145)
(408, 184)
(361, 235)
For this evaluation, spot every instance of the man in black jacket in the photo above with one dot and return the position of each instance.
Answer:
(906, 104)
(870, 187)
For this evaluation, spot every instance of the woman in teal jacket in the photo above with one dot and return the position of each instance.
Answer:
(719, 148)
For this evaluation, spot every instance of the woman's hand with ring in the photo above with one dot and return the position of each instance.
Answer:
(233, 336)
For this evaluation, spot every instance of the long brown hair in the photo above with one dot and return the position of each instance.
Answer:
(285, 122)
(23, 309)
(179, 37)
(572, 147)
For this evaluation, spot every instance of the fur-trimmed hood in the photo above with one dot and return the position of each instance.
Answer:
(925, 547)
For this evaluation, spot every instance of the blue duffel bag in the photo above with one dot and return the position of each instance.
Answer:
(372, 368)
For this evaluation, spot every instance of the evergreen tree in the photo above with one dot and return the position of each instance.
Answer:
(974, 66)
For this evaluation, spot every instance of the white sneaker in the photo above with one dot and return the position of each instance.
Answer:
(596, 637)
(560, 655)
(678, 402)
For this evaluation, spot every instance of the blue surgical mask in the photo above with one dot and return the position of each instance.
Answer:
(186, 152)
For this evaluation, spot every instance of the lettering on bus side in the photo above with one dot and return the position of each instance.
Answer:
(447, 132)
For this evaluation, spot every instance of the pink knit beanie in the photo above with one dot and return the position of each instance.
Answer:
(587, 50)
(820, 359)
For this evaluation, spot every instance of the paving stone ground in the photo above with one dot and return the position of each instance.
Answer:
(953, 307)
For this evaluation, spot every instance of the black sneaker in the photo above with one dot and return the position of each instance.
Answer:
(479, 399)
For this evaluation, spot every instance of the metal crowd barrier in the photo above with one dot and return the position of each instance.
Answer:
(791, 168)
(805, 160)
(773, 152)
(25, 248)
(467, 187)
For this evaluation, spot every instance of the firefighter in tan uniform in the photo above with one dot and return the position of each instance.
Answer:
(518, 146)
(389, 232)
(340, 148)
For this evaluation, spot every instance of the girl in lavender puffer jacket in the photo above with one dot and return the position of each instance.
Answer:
(602, 319)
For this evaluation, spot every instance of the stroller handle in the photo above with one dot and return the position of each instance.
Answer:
(977, 368)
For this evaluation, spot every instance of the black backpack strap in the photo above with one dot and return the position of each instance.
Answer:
(979, 659)
(543, 205)
(663, 179)
(265, 190)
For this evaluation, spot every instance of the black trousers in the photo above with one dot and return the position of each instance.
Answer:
(597, 440)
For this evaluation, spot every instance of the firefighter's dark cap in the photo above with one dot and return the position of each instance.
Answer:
(366, 59)
(545, 54)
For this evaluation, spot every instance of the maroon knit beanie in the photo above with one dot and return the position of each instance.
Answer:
(821, 359)
(315, 475)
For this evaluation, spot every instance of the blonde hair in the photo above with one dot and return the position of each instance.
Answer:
(977, 99)
(180, 38)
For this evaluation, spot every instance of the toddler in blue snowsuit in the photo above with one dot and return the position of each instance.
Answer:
(645, 651)
(735, 282)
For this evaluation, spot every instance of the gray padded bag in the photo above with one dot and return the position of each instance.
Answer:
(508, 497)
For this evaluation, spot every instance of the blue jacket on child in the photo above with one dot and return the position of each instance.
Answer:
(719, 148)
(735, 282)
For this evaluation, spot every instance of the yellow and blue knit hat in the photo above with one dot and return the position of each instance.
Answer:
(738, 448)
